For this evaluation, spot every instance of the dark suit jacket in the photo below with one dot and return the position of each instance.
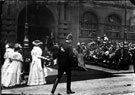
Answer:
(64, 55)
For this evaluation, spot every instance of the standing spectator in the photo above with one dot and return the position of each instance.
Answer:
(64, 63)
(12, 75)
(36, 75)
(98, 40)
(105, 38)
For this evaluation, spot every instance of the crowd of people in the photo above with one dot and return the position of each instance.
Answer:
(104, 51)
(12, 67)
(99, 51)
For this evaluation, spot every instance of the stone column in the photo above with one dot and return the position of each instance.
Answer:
(63, 23)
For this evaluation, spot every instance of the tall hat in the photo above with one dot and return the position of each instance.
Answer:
(69, 37)
(37, 42)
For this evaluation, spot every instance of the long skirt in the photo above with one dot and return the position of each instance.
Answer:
(36, 75)
(5, 67)
(12, 75)
(81, 63)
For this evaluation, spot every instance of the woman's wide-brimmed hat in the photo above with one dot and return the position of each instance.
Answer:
(37, 42)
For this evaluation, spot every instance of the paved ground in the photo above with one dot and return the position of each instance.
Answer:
(96, 81)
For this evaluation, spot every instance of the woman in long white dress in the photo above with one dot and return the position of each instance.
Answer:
(36, 75)
(12, 75)
(7, 56)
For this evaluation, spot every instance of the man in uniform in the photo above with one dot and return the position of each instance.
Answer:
(64, 63)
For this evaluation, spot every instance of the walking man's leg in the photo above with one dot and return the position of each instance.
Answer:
(69, 91)
(60, 73)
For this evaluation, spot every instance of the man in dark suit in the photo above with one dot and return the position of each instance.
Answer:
(64, 63)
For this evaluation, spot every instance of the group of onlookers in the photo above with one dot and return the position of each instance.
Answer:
(108, 52)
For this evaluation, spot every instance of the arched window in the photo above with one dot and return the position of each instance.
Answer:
(113, 26)
(88, 25)
(131, 24)
(131, 28)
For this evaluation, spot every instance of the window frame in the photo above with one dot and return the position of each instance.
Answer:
(88, 29)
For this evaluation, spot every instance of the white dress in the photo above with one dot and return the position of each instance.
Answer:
(36, 74)
(12, 75)
(7, 56)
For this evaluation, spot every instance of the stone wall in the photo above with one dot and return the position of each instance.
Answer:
(67, 16)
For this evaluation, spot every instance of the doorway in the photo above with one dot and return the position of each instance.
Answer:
(41, 23)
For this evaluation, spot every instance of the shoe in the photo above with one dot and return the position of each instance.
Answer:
(70, 92)
(52, 92)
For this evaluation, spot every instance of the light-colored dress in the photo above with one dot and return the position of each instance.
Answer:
(7, 56)
(81, 63)
(12, 75)
(36, 75)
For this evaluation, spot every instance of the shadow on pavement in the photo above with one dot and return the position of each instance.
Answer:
(81, 75)
(77, 75)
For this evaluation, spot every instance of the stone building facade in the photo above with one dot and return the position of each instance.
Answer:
(85, 19)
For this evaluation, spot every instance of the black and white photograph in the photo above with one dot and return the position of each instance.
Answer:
(67, 47)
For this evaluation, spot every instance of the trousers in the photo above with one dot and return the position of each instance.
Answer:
(60, 74)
